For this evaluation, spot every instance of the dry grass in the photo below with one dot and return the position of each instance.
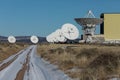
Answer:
(86, 62)
(7, 49)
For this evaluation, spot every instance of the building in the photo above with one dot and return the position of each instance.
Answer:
(110, 28)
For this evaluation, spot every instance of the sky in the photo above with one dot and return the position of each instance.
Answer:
(42, 17)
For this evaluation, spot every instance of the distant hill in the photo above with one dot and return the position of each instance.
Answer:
(3, 38)
(23, 39)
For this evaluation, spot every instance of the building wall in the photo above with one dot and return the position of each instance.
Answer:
(112, 26)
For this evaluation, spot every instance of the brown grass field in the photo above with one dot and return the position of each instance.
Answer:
(79, 61)
(84, 62)
(7, 49)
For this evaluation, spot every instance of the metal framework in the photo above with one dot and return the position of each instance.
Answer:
(88, 25)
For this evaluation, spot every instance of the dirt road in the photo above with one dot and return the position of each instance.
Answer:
(26, 65)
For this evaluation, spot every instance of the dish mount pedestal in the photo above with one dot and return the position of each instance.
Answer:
(88, 25)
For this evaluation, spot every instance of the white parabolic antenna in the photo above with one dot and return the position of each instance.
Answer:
(50, 37)
(53, 36)
(34, 39)
(70, 31)
(59, 35)
(11, 39)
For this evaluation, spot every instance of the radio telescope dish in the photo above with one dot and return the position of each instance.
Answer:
(34, 39)
(86, 21)
(70, 31)
(89, 25)
(61, 38)
(49, 38)
(54, 35)
(55, 39)
(52, 38)
(59, 35)
(11, 39)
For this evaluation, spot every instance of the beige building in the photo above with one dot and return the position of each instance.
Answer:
(111, 26)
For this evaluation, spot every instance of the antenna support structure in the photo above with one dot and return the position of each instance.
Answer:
(88, 24)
